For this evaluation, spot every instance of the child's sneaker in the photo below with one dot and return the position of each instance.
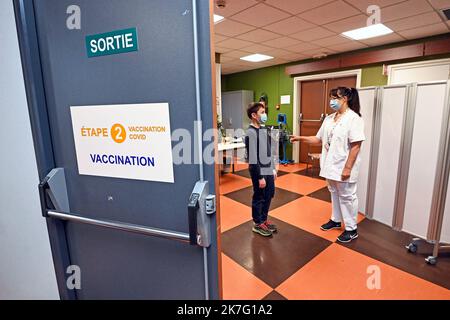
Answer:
(273, 228)
(262, 229)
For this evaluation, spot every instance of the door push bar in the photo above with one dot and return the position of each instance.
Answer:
(300, 118)
(53, 193)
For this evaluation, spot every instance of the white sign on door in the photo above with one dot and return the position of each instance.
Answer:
(124, 141)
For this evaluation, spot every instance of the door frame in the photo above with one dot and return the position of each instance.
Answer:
(297, 94)
(393, 68)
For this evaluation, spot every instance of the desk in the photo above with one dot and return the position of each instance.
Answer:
(230, 147)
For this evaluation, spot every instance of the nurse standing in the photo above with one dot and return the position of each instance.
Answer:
(341, 135)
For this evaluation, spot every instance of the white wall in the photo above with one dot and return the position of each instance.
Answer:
(26, 268)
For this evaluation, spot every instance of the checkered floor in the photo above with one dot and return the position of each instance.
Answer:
(303, 262)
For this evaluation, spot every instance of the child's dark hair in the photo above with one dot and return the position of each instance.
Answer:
(253, 108)
(352, 98)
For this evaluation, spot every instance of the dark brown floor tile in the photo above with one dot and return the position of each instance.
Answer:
(311, 172)
(273, 259)
(381, 242)
(322, 194)
(274, 296)
(281, 198)
(246, 174)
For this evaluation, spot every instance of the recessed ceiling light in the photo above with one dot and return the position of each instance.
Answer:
(217, 18)
(256, 57)
(375, 30)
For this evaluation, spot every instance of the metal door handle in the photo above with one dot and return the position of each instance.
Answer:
(51, 195)
(322, 117)
(128, 227)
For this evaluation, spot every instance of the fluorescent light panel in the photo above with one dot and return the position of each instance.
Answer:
(375, 30)
(218, 18)
(256, 57)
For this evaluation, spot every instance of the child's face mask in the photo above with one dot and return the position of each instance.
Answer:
(263, 118)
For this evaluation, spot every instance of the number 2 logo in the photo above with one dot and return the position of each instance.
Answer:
(118, 133)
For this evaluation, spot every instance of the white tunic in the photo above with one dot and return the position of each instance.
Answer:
(336, 138)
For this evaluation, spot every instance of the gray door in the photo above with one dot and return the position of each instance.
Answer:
(117, 264)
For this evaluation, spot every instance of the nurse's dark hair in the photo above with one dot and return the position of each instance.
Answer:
(333, 93)
(352, 98)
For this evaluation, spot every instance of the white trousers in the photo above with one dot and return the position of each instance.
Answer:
(345, 203)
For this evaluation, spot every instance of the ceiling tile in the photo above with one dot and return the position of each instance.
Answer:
(415, 21)
(313, 34)
(426, 31)
(304, 46)
(348, 24)
(282, 42)
(233, 43)
(231, 28)
(289, 26)
(404, 10)
(218, 38)
(330, 41)
(364, 4)
(225, 59)
(440, 4)
(258, 35)
(344, 47)
(277, 53)
(274, 62)
(296, 6)
(331, 12)
(236, 54)
(260, 15)
(234, 6)
(294, 57)
(257, 48)
(378, 41)
(220, 49)
(311, 53)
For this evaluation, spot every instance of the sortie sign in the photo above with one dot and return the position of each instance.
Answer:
(115, 42)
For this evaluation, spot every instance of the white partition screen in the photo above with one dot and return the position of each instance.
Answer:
(392, 112)
(445, 234)
(367, 100)
(424, 157)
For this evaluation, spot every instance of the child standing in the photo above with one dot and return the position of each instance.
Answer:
(261, 167)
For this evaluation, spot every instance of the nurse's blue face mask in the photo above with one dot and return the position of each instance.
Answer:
(335, 105)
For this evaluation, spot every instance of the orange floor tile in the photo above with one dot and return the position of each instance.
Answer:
(233, 213)
(232, 182)
(308, 214)
(339, 273)
(239, 284)
(292, 167)
(239, 165)
(300, 184)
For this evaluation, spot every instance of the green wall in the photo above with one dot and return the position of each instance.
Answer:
(271, 80)
(373, 77)
(275, 83)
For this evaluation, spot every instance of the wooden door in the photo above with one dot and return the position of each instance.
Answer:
(311, 108)
(314, 102)
(349, 82)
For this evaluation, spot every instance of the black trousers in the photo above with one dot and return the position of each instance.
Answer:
(261, 197)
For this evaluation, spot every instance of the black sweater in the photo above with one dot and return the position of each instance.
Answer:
(259, 151)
